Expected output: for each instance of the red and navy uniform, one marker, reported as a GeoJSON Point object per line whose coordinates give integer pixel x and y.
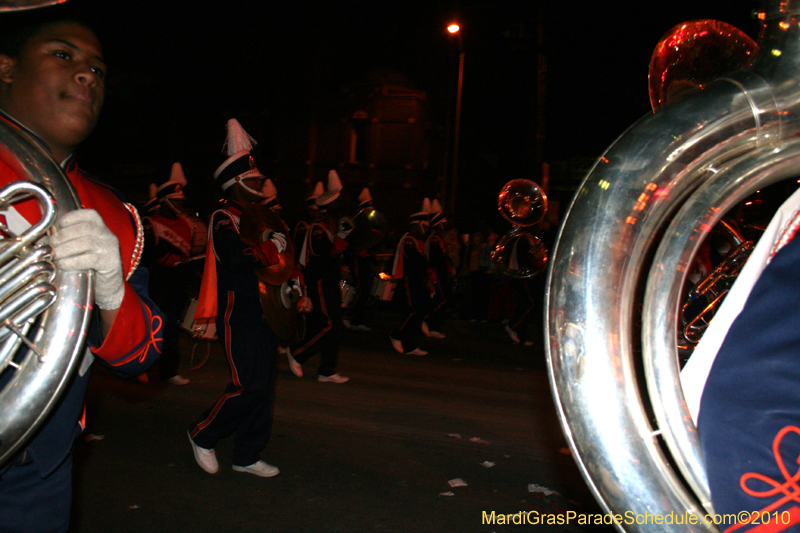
{"type": "Point", "coordinates": [35, 486]}
{"type": "Point", "coordinates": [362, 269]}
{"type": "Point", "coordinates": [413, 293]}
{"type": "Point", "coordinates": [320, 257]}
{"type": "Point", "coordinates": [749, 421]}
{"type": "Point", "coordinates": [250, 345]}
{"type": "Point", "coordinates": [167, 245]}
{"type": "Point", "coordinates": [436, 251]}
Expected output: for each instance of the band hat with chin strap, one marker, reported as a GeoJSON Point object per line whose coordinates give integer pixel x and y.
{"type": "Point", "coordinates": [332, 191]}
{"type": "Point", "coordinates": [365, 199]}
{"type": "Point", "coordinates": [270, 195]}
{"type": "Point", "coordinates": [240, 164]}
{"type": "Point", "coordinates": [311, 201]}
{"type": "Point", "coordinates": [422, 217]}
{"type": "Point", "coordinates": [172, 188]}
{"type": "Point", "coordinates": [152, 200]}
{"type": "Point", "coordinates": [437, 216]}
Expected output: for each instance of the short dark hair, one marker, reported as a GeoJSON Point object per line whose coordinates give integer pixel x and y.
{"type": "Point", "coordinates": [18, 28]}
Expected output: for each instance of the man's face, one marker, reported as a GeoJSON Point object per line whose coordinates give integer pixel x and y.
{"type": "Point", "coordinates": [56, 86]}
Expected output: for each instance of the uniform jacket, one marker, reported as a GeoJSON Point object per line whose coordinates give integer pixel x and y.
{"type": "Point", "coordinates": [132, 344]}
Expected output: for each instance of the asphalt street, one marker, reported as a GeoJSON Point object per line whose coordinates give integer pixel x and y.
{"type": "Point", "coordinates": [380, 453]}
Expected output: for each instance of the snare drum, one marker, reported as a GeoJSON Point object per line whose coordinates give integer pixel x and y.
{"type": "Point", "coordinates": [348, 293]}
{"type": "Point", "coordinates": [383, 289]}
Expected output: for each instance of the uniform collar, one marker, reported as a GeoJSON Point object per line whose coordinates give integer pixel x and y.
{"type": "Point", "coordinates": [65, 164]}
{"type": "Point", "coordinates": [233, 206]}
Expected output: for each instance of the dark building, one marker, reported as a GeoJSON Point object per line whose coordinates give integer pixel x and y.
{"type": "Point", "coordinates": [375, 133]}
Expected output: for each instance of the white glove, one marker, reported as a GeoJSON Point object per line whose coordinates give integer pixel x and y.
{"type": "Point", "coordinates": [345, 227]}
{"type": "Point", "coordinates": [279, 240]}
{"type": "Point", "coordinates": [294, 288]}
{"type": "Point", "coordinates": [83, 242]}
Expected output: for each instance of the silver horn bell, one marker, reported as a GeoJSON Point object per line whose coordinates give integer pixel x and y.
{"type": "Point", "coordinates": [519, 253]}
{"type": "Point", "coordinates": [633, 228]}
{"type": "Point", "coordinates": [44, 312]}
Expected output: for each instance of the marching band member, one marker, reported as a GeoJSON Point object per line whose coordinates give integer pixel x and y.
{"type": "Point", "coordinates": [741, 381]}
{"type": "Point", "coordinates": [168, 243]}
{"type": "Point", "coordinates": [230, 293]}
{"type": "Point", "coordinates": [437, 252]}
{"type": "Point", "coordinates": [361, 267]}
{"type": "Point", "coordinates": [52, 77]}
{"type": "Point", "coordinates": [320, 257]}
{"type": "Point", "coordinates": [312, 214]}
{"type": "Point", "coordinates": [411, 269]}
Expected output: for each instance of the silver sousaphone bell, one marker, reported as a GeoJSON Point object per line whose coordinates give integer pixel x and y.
{"type": "Point", "coordinates": [520, 254]}
{"type": "Point", "coordinates": [44, 312]}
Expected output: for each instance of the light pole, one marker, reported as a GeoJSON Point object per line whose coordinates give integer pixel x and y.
{"type": "Point", "coordinates": [456, 30]}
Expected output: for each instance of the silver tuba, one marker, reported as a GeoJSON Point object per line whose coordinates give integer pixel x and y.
{"type": "Point", "coordinates": [519, 253]}
{"type": "Point", "coordinates": [44, 313]}
{"type": "Point", "coordinates": [627, 240]}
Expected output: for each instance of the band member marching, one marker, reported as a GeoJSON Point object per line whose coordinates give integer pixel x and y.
{"type": "Point", "coordinates": [168, 241]}
{"type": "Point", "coordinates": [436, 250]}
{"type": "Point", "coordinates": [46, 59]}
{"type": "Point", "coordinates": [312, 214]}
{"type": "Point", "coordinates": [411, 269]}
{"type": "Point", "coordinates": [320, 257]}
{"type": "Point", "coordinates": [230, 292]}
{"type": "Point", "coordinates": [360, 263]}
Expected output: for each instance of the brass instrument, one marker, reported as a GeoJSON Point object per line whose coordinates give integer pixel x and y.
{"type": "Point", "coordinates": [519, 253]}
{"type": "Point", "coordinates": [710, 291]}
{"type": "Point", "coordinates": [369, 228]}
{"type": "Point", "coordinates": [277, 298]}
{"type": "Point", "coordinates": [44, 312]}
{"type": "Point", "coordinates": [627, 240]}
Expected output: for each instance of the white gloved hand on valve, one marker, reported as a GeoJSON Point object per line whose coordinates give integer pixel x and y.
{"type": "Point", "coordinates": [345, 227]}
{"type": "Point", "coordinates": [279, 240]}
{"type": "Point", "coordinates": [82, 242]}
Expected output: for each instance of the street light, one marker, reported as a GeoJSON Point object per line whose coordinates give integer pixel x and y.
{"type": "Point", "coordinates": [455, 29]}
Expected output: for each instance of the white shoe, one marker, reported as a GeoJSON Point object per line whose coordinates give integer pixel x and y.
{"type": "Point", "coordinates": [435, 335]}
{"type": "Point", "coordinates": [335, 378]}
{"type": "Point", "coordinates": [178, 380]}
{"type": "Point", "coordinates": [207, 459]}
{"type": "Point", "coordinates": [417, 351]}
{"type": "Point", "coordinates": [259, 468]}
{"type": "Point", "coordinates": [396, 344]}
{"type": "Point", "coordinates": [361, 327]}
{"type": "Point", "coordinates": [294, 366]}
{"type": "Point", "coordinates": [512, 334]}
{"type": "Point", "coordinates": [528, 343]}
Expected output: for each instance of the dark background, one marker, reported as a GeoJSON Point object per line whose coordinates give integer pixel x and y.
{"type": "Point", "coordinates": [179, 70]}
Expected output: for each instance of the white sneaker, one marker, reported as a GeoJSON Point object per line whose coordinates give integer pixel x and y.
{"type": "Point", "coordinates": [259, 468]}
{"type": "Point", "coordinates": [361, 327]}
{"type": "Point", "coordinates": [435, 334]}
{"type": "Point", "coordinates": [512, 334]}
{"type": "Point", "coordinates": [396, 344]}
{"type": "Point", "coordinates": [294, 366]}
{"type": "Point", "coordinates": [335, 378]}
{"type": "Point", "coordinates": [417, 351]}
{"type": "Point", "coordinates": [178, 380]}
{"type": "Point", "coordinates": [207, 459]}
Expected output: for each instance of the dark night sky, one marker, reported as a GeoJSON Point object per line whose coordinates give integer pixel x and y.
{"type": "Point", "coordinates": [179, 69]}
